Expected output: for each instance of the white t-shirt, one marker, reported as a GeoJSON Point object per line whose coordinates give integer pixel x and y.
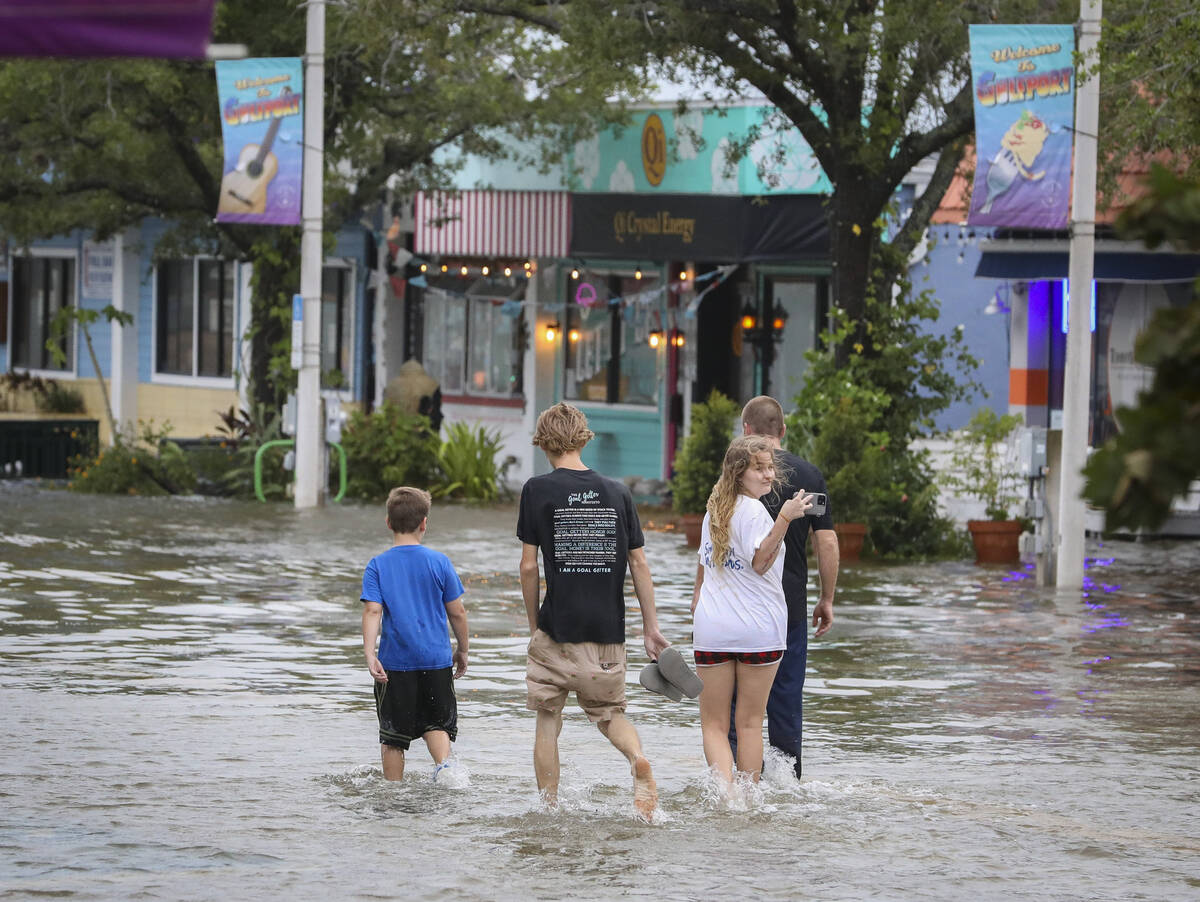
{"type": "Point", "coordinates": [739, 610]}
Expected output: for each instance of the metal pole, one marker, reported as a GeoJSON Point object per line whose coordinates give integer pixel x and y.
{"type": "Point", "coordinates": [310, 449]}
{"type": "Point", "coordinates": [1077, 375]}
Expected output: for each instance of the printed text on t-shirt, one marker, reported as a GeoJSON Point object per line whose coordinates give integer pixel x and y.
{"type": "Point", "coordinates": [585, 540]}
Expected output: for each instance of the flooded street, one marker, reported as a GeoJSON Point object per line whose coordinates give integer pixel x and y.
{"type": "Point", "coordinates": [187, 714]}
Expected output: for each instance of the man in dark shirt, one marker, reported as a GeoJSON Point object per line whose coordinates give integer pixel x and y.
{"type": "Point", "coordinates": [785, 707]}
{"type": "Point", "coordinates": [587, 530]}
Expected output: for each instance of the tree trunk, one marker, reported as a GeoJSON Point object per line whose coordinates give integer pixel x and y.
{"type": "Point", "coordinates": [852, 258]}
{"type": "Point", "coordinates": [276, 278]}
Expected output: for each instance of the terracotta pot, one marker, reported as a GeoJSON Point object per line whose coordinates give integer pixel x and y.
{"type": "Point", "coordinates": [996, 541]}
{"type": "Point", "coordinates": [850, 539]}
{"type": "Point", "coordinates": [691, 528]}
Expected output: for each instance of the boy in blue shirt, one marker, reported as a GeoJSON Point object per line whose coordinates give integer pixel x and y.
{"type": "Point", "coordinates": [409, 594]}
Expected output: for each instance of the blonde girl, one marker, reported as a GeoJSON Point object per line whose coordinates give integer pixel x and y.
{"type": "Point", "coordinates": [739, 612]}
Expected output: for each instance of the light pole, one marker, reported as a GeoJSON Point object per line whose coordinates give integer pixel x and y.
{"type": "Point", "coordinates": [310, 447]}
{"type": "Point", "coordinates": [1077, 374]}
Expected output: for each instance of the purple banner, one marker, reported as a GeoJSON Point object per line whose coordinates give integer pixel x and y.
{"type": "Point", "coordinates": [1023, 78]}
{"type": "Point", "coordinates": [89, 28]}
{"type": "Point", "coordinates": [262, 120]}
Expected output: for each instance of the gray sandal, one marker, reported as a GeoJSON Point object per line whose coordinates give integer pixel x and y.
{"type": "Point", "coordinates": [652, 679]}
{"type": "Point", "coordinates": [672, 666]}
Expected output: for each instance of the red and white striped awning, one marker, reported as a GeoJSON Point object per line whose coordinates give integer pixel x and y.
{"type": "Point", "coordinates": [493, 223]}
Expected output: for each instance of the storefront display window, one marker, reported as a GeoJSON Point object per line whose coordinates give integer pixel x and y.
{"type": "Point", "coordinates": [608, 357]}
{"type": "Point", "coordinates": [473, 343]}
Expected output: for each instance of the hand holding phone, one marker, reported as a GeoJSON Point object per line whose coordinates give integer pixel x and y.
{"type": "Point", "coordinates": [819, 501]}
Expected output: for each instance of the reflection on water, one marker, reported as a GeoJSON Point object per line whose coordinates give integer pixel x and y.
{"type": "Point", "coordinates": [187, 715]}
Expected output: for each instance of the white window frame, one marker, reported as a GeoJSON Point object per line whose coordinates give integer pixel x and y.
{"type": "Point", "coordinates": [73, 339]}
{"type": "Point", "coordinates": [346, 392]}
{"type": "Point", "coordinates": [194, 380]}
{"type": "Point", "coordinates": [494, 302]}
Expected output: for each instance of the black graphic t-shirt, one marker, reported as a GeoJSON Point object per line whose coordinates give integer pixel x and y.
{"type": "Point", "coordinates": [584, 524]}
{"type": "Point", "coordinates": [797, 473]}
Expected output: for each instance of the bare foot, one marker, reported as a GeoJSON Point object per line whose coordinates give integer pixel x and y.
{"type": "Point", "coordinates": [645, 792]}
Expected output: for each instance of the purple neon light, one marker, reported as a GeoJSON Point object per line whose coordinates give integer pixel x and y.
{"type": "Point", "coordinates": [98, 28]}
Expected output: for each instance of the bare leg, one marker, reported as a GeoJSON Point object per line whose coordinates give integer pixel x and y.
{"type": "Point", "coordinates": [621, 733]}
{"type": "Point", "coordinates": [753, 688]}
{"type": "Point", "coordinates": [393, 761]}
{"type": "Point", "coordinates": [438, 743]}
{"type": "Point", "coordinates": [545, 754]}
{"type": "Point", "coordinates": [718, 682]}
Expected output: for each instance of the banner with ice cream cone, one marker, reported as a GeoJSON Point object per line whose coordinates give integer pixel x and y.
{"type": "Point", "coordinates": [1023, 77]}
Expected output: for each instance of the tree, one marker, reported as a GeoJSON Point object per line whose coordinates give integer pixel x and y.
{"type": "Point", "coordinates": [103, 145]}
{"type": "Point", "coordinates": [1150, 95]}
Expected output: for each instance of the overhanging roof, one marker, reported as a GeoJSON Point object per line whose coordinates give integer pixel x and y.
{"type": "Point", "coordinates": [1114, 261]}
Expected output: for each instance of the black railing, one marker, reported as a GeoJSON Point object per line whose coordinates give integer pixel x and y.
{"type": "Point", "coordinates": [43, 448]}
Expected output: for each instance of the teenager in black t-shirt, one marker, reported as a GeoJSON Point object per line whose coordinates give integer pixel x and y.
{"type": "Point", "coordinates": [587, 530]}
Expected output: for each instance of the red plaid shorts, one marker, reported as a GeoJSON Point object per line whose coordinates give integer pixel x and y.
{"type": "Point", "coordinates": [709, 658]}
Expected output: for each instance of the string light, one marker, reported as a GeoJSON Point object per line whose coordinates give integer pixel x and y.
{"type": "Point", "coordinates": [445, 267]}
{"type": "Point", "coordinates": [507, 271]}
{"type": "Point", "coordinates": [424, 267]}
{"type": "Point", "coordinates": [528, 264]}
{"type": "Point", "coordinates": [485, 270]}
{"type": "Point", "coordinates": [463, 271]}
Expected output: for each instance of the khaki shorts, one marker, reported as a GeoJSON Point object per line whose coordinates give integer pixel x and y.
{"type": "Point", "coordinates": [594, 672]}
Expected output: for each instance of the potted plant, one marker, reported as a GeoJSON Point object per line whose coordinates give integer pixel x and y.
{"type": "Point", "coordinates": [698, 462]}
{"type": "Point", "coordinates": [982, 468]}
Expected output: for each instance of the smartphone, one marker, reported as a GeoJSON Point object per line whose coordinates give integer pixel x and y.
{"type": "Point", "coordinates": [818, 505]}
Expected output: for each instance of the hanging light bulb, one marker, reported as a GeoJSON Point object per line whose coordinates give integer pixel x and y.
{"type": "Point", "coordinates": [444, 267]}
{"type": "Point", "coordinates": [463, 272]}
{"type": "Point", "coordinates": [486, 269]}
{"type": "Point", "coordinates": [424, 267]}
{"type": "Point", "coordinates": [528, 265]}
{"type": "Point", "coordinates": [574, 273]}
{"type": "Point", "coordinates": [507, 271]}
{"type": "Point", "coordinates": [637, 273]}
{"type": "Point", "coordinates": [655, 337]}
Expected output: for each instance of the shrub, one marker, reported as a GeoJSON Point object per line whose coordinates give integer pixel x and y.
{"type": "Point", "coordinates": [388, 448]}
{"type": "Point", "coordinates": [142, 463]}
{"type": "Point", "coordinates": [698, 463]}
{"type": "Point", "coordinates": [244, 432]}
{"type": "Point", "coordinates": [983, 468]}
{"type": "Point", "coordinates": [467, 459]}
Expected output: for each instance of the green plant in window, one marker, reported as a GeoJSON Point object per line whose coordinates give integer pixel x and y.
{"type": "Point", "coordinates": [698, 463]}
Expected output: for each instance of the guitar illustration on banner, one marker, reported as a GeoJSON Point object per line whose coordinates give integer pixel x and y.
{"type": "Point", "coordinates": [244, 188]}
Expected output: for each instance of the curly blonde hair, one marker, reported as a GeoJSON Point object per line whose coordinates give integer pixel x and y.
{"type": "Point", "coordinates": [723, 498]}
{"type": "Point", "coordinates": [562, 428]}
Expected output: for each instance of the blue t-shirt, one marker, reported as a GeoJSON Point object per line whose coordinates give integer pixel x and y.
{"type": "Point", "coordinates": [414, 584]}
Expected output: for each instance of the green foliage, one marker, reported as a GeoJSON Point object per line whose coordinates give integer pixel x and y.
{"type": "Point", "coordinates": [698, 462]}
{"type": "Point", "coordinates": [138, 463]}
{"type": "Point", "coordinates": [981, 468]}
{"type": "Point", "coordinates": [467, 459]}
{"type": "Point", "coordinates": [388, 448]}
{"type": "Point", "coordinates": [243, 432]}
{"type": "Point", "coordinates": [1138, 473]}
{"type": "Point", "coordinates": [49, 395]}
{"type": "Point", "coordinates": [856, 420]}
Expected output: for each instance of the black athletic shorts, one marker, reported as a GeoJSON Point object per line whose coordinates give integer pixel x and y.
{"type": "Point", "coordinates": [413, 702]}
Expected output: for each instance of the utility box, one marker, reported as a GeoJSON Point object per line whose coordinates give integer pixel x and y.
{"type": "Point", "coordinates": [1031, 452]}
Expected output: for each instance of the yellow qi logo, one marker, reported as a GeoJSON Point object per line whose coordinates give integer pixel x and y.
{"type": "Point", "coordinates": [654, 149]}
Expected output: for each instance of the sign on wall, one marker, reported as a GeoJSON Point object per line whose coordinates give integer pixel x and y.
{"type": "Point", "coordinates": [1023, 78]}
{"type": "Point", "coordinates": [98, 261]}
{"type": "Point", "coordinates": [262, 121]}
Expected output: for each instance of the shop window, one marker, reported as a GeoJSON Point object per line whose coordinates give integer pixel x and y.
{"type": "Point", "coordinates": [337, 310]}
{"type": "Point", "coordinates": [608, 357]}
{"type": "Point", "coordinates": [194, 307]}
{"type": "Point", "coordinates": [41, 287]}
{"type": "Point", "coordinates": [473, 343]}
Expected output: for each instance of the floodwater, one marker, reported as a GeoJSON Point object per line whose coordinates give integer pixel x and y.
{"type": "Point", "coordinates": [187, 715]}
